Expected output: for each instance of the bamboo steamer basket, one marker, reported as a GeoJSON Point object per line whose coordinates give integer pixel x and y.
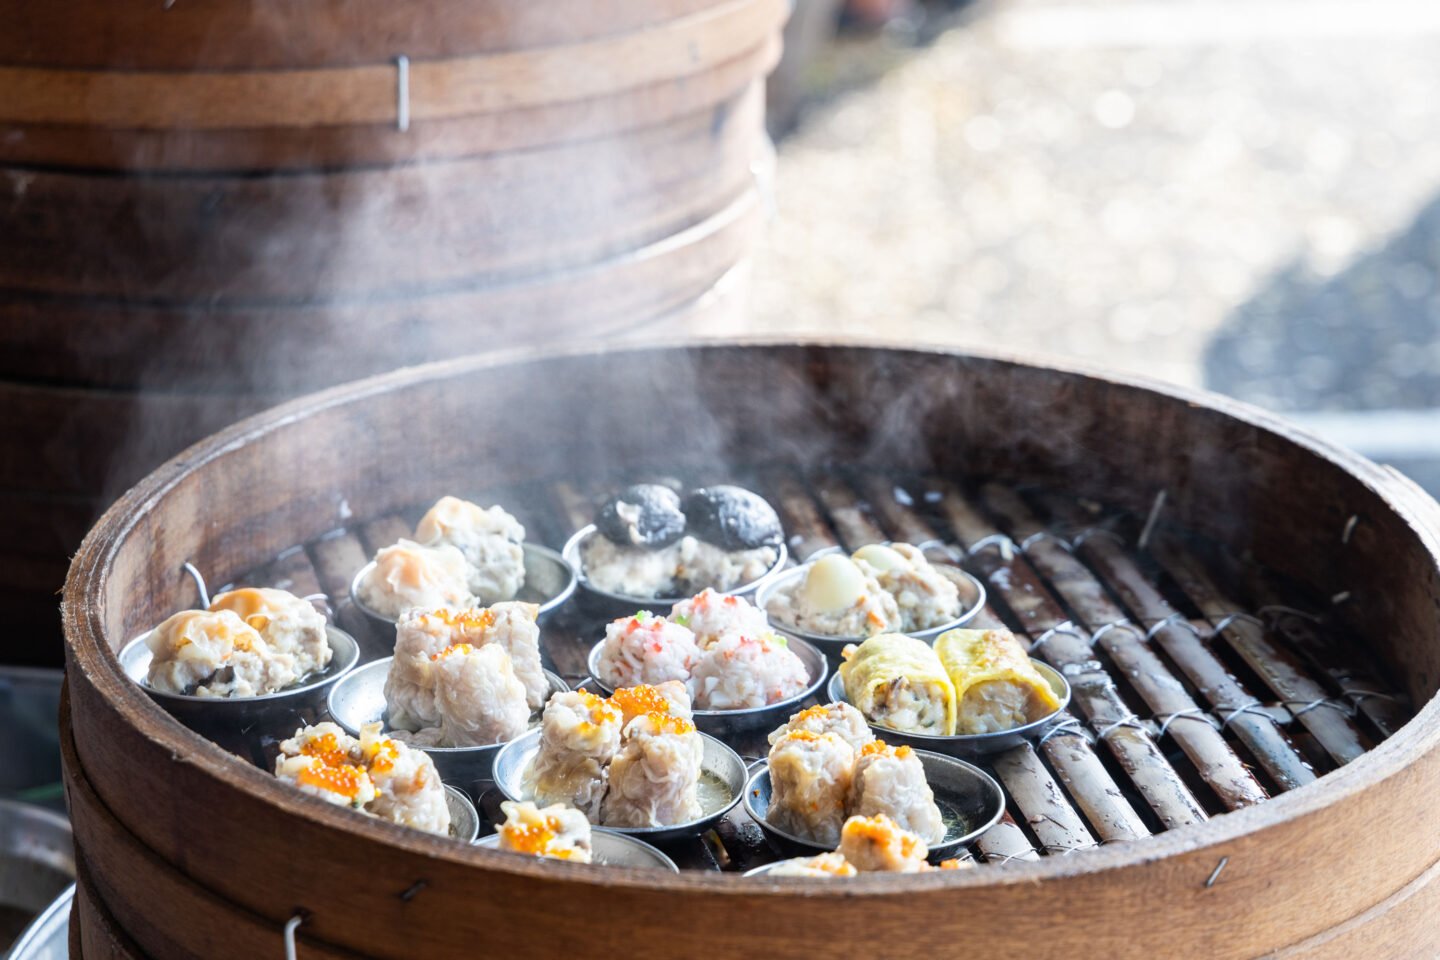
{"type": "Point", "coordinates": [386, 233]}
{"type": "Point", "coordinates": [493, 79]}
{"type": "Point", "coordinates": [1340, 867]}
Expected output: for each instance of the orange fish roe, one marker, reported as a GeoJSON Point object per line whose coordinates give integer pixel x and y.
{"type": "Point", "coordinates": [536, 839]}
{"type": "Point", "coordinates": [952, 865]}
{"type": "Point", "coordinates": [642, 699]}
{"type": "Point", "coordinates": [463, 649]}
{"type": "Point", "coordinates": [326, 749]}
{"type": "Point", "coordinates": [805, 736]}
{"type": "Point", "coordinates": [342, 779]}
{"type": "Point", "coordinates": [879, 829]}
{"type": "Point", "coordinates": [664, 723]}
{"type": "Point", "coordinates": [817, 712]}
{"type": "Point", "coordinates": [382, 754]}
{"type": "Point", "coordinates": [601, 710]}
{"type": "Point", "coordinates": [473, 618]}
{"type": "Point", "coordinates": [880, 746]}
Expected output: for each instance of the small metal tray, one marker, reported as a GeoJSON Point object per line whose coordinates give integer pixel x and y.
{"type": "Point", "coordinates": [360, 699]}
{"type": "Point", "coordinates": [549, 582]}
{"type": "Point", "coordinates": [973, 744]}
{"type": "Point", "coordinates": [724, 723]}
{"type": "Point", "coordinates": [720, 762]}
{"type": "Point", "coordinates": [970, 802]}
{"type": "Point", "coordinates": [603, 603]}
{"type": "Point", "coordinates": [236, 712]}
{"type": "Point", "coordinates": [610, 849]}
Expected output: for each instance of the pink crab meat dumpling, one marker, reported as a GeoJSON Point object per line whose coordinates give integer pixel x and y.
{"type": "Point", "coordinates": [646, 649]}
{"type": "Point", "coordinates": [740, 671]}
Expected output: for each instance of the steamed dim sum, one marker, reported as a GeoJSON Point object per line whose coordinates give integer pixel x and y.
{"type": "Point", "coordinates": [898, 682]}
{"type": "Point", "coordinates": [996, 685]}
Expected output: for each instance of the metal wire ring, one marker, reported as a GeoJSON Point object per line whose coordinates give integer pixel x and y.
{"type": "Point", "coordinates": [1346, 708]}
{"type": "Point", "coordinates": [1067, 628]}
{"type": "Point", "coordinates": [1112, 625]}
{"type": "Point", "coordinates": [1191, 713]}
{"type": "Point", "coordinates": [1079, 539]}
{"type": "Point", "coordinates": [1039, 535]}
{"type": "Point", "coordinates": [1230, 618]}
{"type": "Point", "coordinates": [1176, 619]}
{"type": "Point", "coordinates": [1130, 721]}
{"type": "Point", "coordinates": [1069, 727]}
{"type": "Point", "coordinates": [1008, 548]}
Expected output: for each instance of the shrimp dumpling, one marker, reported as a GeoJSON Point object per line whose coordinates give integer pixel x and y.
{"type": "Point", "coordinates": [740, 671]}
{"type": "Point", "coordinates": [409, 574]}
{"type": "Point", "coordinates": [288, 624]}
{"type": "Point", "coordinates": [489, 540]}
{"type": "Point", "coordinates": [215, 654]}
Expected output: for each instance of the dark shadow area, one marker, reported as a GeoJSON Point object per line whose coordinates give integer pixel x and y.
{"type": "Point", "coordinates": [1366, 338]}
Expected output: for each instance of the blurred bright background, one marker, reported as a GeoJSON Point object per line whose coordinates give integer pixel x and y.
{"type": "Point", "coordinates": [1236, 196]}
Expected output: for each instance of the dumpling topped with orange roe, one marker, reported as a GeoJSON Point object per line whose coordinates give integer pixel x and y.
{"type": "Point", "coordinates": [374, 774]}
{"type": "Point", "coordinates": [556, 831]}
{"type": "Point", "coordinates": [839, 718]}
{"type": "Point", "coordinates": [325, 761]}
{"type": "Point", "coordinates": [879, 844]}
{"type": "Point", "coordinates": [826, 865]}
{"type": "Point", "coordinates": [655, 778]}
{"type": "Point", "coordinates": [579, 734]}
{"type": "Point", "coordinates": [669, 697]}
{"type": "Point", "coordinates": [891, 781]}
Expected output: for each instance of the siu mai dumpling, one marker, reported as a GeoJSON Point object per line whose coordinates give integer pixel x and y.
{"type": "Point", "coordinates": [879, 845]}
{"type": "Point", "coordinates": [891, 780]}
{"type": "Point", "coordinates": [825, 865]}
{"type": "Point", "coordinates": [408, 790]}
{"type": "Point", "coordinates": [558, 832]}
{"type": "Point", "coordinates": [898, 682]}
{"type": "Point", "coordinates": [489, 540]}
{"type": "Point", "coordinates": [810, 778]}
{"type": "Point", "coordinates": [655, 778]}
{"type": "Point", "coordinates": [408, 575]}
{"type": "Point", "coordinates": [841, 719]}
{"type": "Point", "coordinates": [579, 734]}
{"type": "Point", "coordinates": [996, 685]}
{"type": "Point", "coordinates": [480, 699]}
{"type": "Point", "coordinates": [288, 624]}
{"type": "Point", "coordinates": [326, 762]}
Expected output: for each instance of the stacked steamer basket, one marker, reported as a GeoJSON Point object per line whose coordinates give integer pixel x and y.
{"type": "Point", "coordinates": [211, 207]}
{"type": "Point", "coordinates": [1249, 626]}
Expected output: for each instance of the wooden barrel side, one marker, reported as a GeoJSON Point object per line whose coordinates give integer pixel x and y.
{"type": "Point", "coordinates": [1161, 898]}
{"type": "Point", "coordinates": [389, 232]}
{"type": "Point", "coordinates": [128, 344]}
{"type": "Point", "coordinates": [435, 89]}
{"type": "Point", "coordinates": [287, 148]}
{"type": "Point", "coordinates": [244, 35]}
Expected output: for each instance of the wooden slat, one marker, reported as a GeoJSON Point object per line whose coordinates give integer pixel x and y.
{"type": "Point", "coordinates": [1281, 670]}
{"type": "Point", "coordinates": [1049, 815]}
{"type": "Point", "coordinates": [1005, 842]}
{"type": "Point", "coordinates": [1093, 693]}
{"type": "Point", "coordinates": [803, 521]}
{"type": "Point", "coordinates": [1214, 759]}
{"type": "Point", "coordinates": [1224, 693]}
{"type": "Point", "coordinates": [849, 515]}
